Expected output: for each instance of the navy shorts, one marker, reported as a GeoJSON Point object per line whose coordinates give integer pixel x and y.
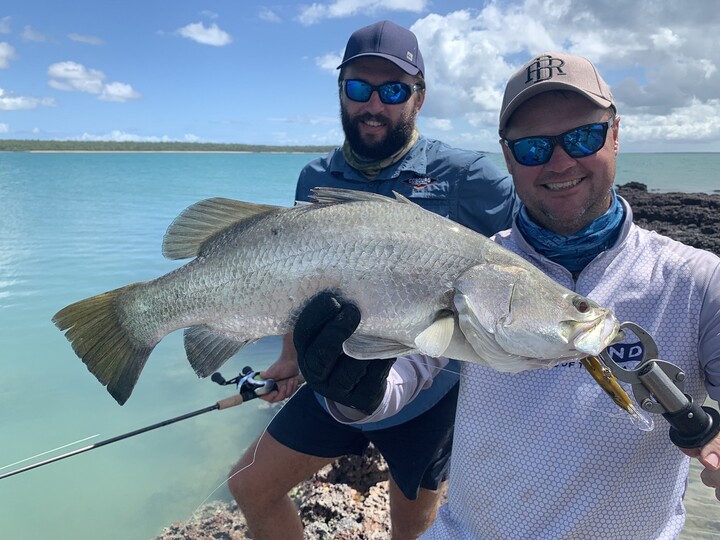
{"type": "Point", "coordinates": [417, 452]}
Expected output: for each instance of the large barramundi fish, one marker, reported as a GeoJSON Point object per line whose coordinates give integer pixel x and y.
{"type": "Point", "coordinates": [422, 284]}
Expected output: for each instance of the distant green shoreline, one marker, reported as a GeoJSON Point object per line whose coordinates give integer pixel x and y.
{"type": "Point", "coordinates": [18, 145]}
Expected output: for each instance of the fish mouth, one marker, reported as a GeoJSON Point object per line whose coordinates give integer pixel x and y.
{"type": "Point", "coordinates": [560, 186]}
{"type": "Point", "coordinates": [594, 337]}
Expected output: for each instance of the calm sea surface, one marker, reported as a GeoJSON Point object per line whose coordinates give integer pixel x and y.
{"type": "Point", "coordinates": [73, 225]}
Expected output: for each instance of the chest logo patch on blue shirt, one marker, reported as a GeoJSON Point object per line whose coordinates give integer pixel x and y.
{"type": "Point", "coordinates": [420, 182]}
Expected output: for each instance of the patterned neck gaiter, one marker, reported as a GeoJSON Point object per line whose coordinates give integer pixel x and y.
{"type": "Point", "coordinates": [574, 252]}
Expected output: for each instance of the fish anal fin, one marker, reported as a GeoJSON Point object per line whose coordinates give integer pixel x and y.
{"type": "Point", "coordinates": [201, 221]}
{"type": "Point", "coordinates": [207, 350]}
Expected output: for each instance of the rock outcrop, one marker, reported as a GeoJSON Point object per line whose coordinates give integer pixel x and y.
{"type": "Point", "coordinates": [347, 500]}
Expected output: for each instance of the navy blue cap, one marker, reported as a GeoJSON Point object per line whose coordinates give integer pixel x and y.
{"type": "Point", "coordinates": [386, 40]}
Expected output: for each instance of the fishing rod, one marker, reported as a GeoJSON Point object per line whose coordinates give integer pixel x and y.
{"type": "Point", "coordinates": [249, 384]}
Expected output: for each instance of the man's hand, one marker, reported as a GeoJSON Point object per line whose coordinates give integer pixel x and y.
{"type": "Point", "coordinates": [322, 327]}
{"type": "Point", "coordinates": [285, 372]}
{"type": "Point", "coordinates": [709, 456]}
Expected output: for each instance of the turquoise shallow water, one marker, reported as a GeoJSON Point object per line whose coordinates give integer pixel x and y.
{"type": "Point", "coordinates": [74, 225]}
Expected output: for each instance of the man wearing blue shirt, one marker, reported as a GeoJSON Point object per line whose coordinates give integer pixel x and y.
{"type": "Point", "coordinates": [382, 89]}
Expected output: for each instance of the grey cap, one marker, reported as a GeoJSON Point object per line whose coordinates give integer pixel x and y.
{"type": "Point", "coordinates": [386, 40]}
{"type": "Point", "coordinates": [554, 71]}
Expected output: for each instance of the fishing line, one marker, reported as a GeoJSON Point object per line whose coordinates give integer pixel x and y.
{"type": "Point", "coordinates": [49, 451]}
{"type": "Point", "coordinates": [257, 444]}
{"type": "Point", "coordinates": [262, 434]}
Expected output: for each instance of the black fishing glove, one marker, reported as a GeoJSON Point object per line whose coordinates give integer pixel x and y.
{"type": "Point", "coordinates": [322, 327]}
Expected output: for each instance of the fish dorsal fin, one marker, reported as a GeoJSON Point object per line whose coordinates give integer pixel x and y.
{"type": "Point", "coordinates": [402, 198]}
{"type": "Point", "coordinates": [330, 195]}
{"type": "Point", "coordinates": [372, 347]}
{"type": "Point", "coordinates": [199, 222]}
{"type": "Point", "coordinates": [435, 339]}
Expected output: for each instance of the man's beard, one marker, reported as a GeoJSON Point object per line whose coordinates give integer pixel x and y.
{"type": "Point", "coordinates": [397, 135]}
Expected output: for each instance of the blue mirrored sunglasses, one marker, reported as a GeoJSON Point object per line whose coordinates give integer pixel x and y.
{"type": "Point", "coordinates": [390, 93]}
{"type": "Point", "coordinates": [578, 142]}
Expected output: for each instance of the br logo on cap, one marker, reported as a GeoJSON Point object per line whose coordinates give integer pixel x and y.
{"type": "Point", "coordinates": [409, 56]}
{"type": "Point", "coordinates": [543, 68]}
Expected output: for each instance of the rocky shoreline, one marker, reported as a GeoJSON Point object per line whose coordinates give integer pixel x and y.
{"type": "Point", "coordinates": [691, 218]}
{"type": "Point", "coordinates": [349, 499]}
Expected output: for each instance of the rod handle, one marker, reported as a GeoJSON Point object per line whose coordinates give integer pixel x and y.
{"type": "Point", "coordinates": [232, 401]}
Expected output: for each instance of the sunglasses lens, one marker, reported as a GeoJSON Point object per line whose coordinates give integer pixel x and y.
{"type": "Point", "coordinates": [579, 142]}
{"type": "Point", "coordinates": [585, 140]}
{"type": "Point", "coordinates": [358, 90]}
{"type": "Point", "coordinates": [394, 93]}
{"type": "Point", "coordinates": [532, 150]}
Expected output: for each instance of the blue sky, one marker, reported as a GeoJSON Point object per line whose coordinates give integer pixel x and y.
{"type": "Point", "coordinates": [246, 71]}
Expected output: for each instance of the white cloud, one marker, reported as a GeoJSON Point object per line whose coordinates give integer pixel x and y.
{"type": "Point", "coordinates": [329, 62]}
{"type": "Point", "coordinates": [117, 135]}
{"type": "Point", "coordinates": [9, 102]}
{"type": "Point", "coordinates": [314, 13]}
{"type": "Point", "coordinates": [307, 120]}
{"type": "Point", "coordinates": [4, 128]}
{"type": "Point", "coordinates": [122, 136]}
{"type": "Point", "coordinates": [118, 92]}
{"type": "Point", "coordinates": [71, 76]}
{"type": "Point", "coordinates": [90, 40]}
{"type": "Point", "coordinates": [7, 53]}
{"type": "Point", "coordinates": [439, 124]}
{"type": "Point", "coordinates": [697, 122]}
{"type": "Point", "coordinates": [28, 34]}
{"type": "Point", "coordinates": [268, 15]}
{"type": "Point", "coordinates": [211, 35]}
{"type": "Point", "coordinates": [661, 62]}
{"type": "Point", "coordinates": [5, 25]}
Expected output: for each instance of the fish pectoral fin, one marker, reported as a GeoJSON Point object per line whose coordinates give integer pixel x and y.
{"type": "Point", "coordinates": [203, 220]}
{"type": "Point", "coordinates": [373, 347]}
{"type": "Point", "coordinates": [435, 339]}
{"type": "Point", "coordinates": [207, 350]}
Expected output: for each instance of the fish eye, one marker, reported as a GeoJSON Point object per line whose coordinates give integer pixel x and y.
{"type": "Point", "coordinates": [581, 304]}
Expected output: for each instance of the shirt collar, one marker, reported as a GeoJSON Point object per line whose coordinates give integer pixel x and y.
{"type": "Point", "coordinates": [415, 161]}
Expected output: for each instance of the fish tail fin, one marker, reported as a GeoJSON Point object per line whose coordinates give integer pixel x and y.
{"type": "Point", "coordinates": [107, 347]}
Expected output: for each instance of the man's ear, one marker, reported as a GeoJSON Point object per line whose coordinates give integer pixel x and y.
{"type": "Point", "coordinates": [509, 161]}
{"type": "Point", "coordinates": [616, 136]}
{"type": "Point", "coordinates": [420, 100]}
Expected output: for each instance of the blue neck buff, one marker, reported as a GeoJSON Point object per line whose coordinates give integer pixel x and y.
{"type": "Point", "coordinates": [574, 252]}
